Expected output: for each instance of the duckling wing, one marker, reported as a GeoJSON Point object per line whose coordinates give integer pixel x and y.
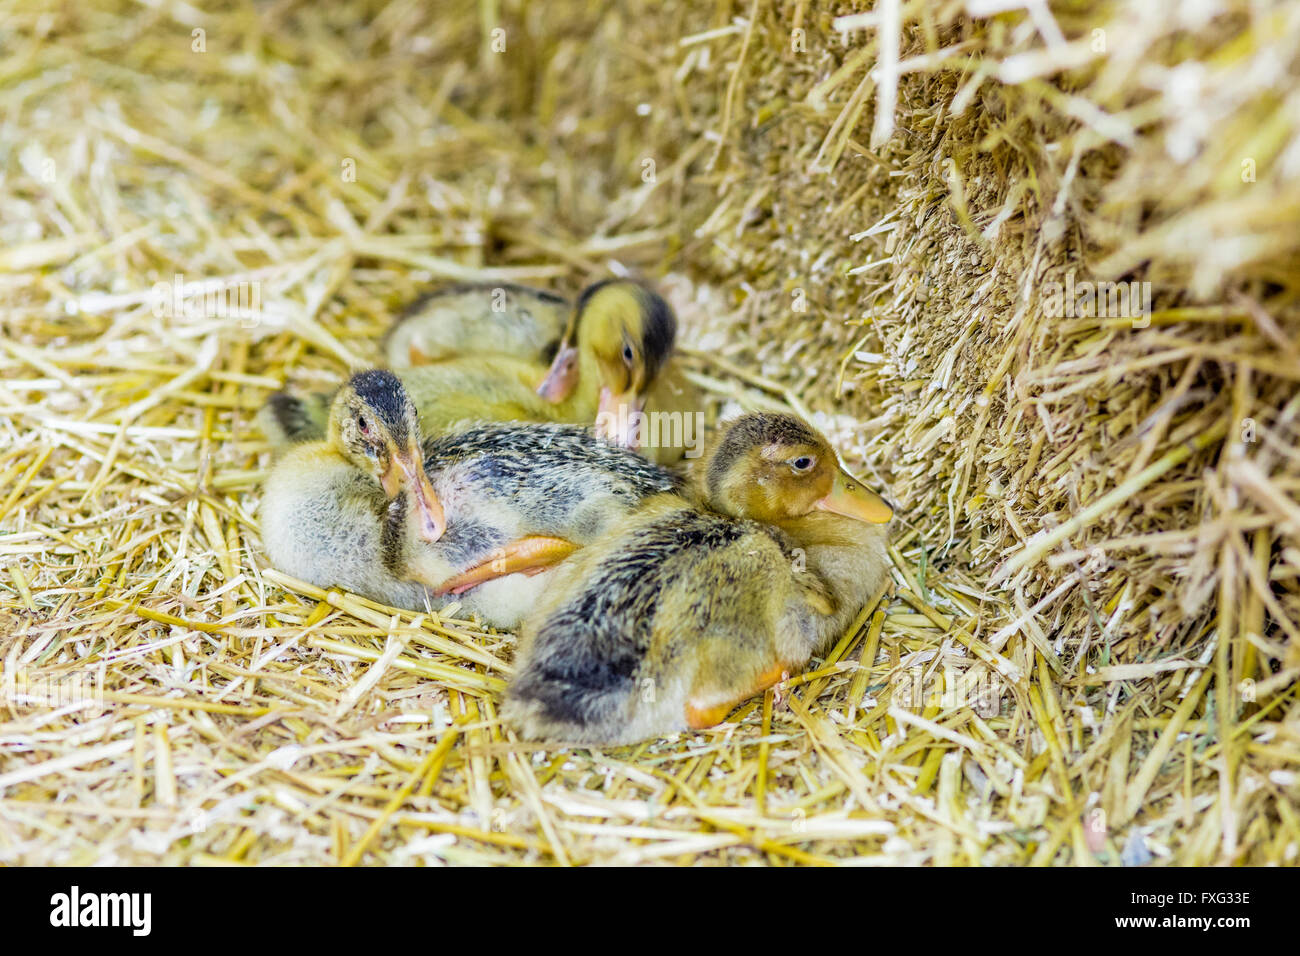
{"type": "Point", "coordinates": [506, 489]}
{"type": "Point", "coordinates": [675, 424]}
{"type": "Point", "coordinates": [579, 668]}
{"type": "Point", "coordinates": [751, 624]}
{"type": "Point", "coordinates": [532, 479]}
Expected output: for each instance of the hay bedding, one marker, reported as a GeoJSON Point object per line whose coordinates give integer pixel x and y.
{"type": "Point", "coordinates": [1092, 652]}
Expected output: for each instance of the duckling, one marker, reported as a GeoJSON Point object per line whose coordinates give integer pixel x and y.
{"type": "Point", "coordinates": [324, 499]}
{"type": "Point", "coordinates": [623, 332]}
{"type": "Point", "coordinates": [499, 318]}
{"type": "Point", "coordinates": [679, 614]}
{"type": "Point", "coordinates": [617, 341]}
{"type": "Point", "coordinates": [514, 499]}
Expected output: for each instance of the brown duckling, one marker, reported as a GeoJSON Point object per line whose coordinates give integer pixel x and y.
{"type": "Point", "coordinates": [480, 318]}
{"type": "Point", "coordinates": [678, 614]}
{"type": "Point", "coordinates": [324, 500]}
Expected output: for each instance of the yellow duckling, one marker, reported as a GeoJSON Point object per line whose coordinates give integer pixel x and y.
{"type": "Point", "coordinates": [678, 614]}
{"type": "Point", "coordinates": [618, 340]}
{"type": "Point", "coordinates": [324, 500]}
{"type": "Point", "coordinates": [515, 499]}
{"type": "Point", "coordinates": [624, 334]}
{"type": "Point", "coordinates": [500, 318]}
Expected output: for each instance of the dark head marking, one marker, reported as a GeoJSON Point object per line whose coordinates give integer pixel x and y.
{"type": "Point", "coordinates": [658, 333]}
{"type": "Point", "coordinates": [755, 430]}
{"type": "Point", "coordinates": [383, 393]}
{"type": "Point", "coordinates": [659, 323]}
{"type": "Point", "coordinates": [584, 297]}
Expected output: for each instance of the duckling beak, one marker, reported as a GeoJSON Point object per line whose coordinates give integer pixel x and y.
{"type": "Point", "coordinates": [562, 377]}
{"type": "Point", "coordinates": [618, 418]}
{"type": "Point", "coordinates": [432, 520]}
{"type": "Point", "coordinates": [409, 470]}
{"type": "Point", "coordinates": [854, 500]}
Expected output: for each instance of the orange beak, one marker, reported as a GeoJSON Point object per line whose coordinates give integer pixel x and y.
{"type": "Point", "coordinates": [618, 418]}
{"type": "Point", "coordinates": [408, 470]}
{"type": "Point", "coordinates": [562, 377]}
{"type": "Point", "coordinates": [854, 500]}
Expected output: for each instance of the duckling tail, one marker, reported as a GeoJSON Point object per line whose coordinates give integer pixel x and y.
{"type": "Point", "coordinates": [548, 707]}
{"type": "Point", "coordinates": [288, 420]}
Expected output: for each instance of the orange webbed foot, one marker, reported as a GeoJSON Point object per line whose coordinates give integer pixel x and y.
{"type": "Point", "coordinates": [700, 715]}
{"type": "Point", "coordinates": [531, 555]}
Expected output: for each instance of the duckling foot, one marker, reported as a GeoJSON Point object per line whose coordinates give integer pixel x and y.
{"type": "Point", "coordinates": [700, 715]}
{"type": "Point", "coordinates": [530, 555]}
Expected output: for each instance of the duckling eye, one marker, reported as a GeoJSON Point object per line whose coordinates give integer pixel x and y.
{"type": "Point", "coordinates": [802, 463]}
{"type": "Point", "coordinates": [627, 354]}
{"type": "Point", "coordinates": [363, 424]}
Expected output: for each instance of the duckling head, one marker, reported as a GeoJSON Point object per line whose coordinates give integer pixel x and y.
{"type": "Point", "coordinates": [623, 332]}
{"type": "Point", "coordinates": [778, 468]}
{"type": "Point", "coordinates": [374, 425]}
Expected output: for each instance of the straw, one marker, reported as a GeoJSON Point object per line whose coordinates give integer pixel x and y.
{"type": "Point", "coordinates": [1091, 654]}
